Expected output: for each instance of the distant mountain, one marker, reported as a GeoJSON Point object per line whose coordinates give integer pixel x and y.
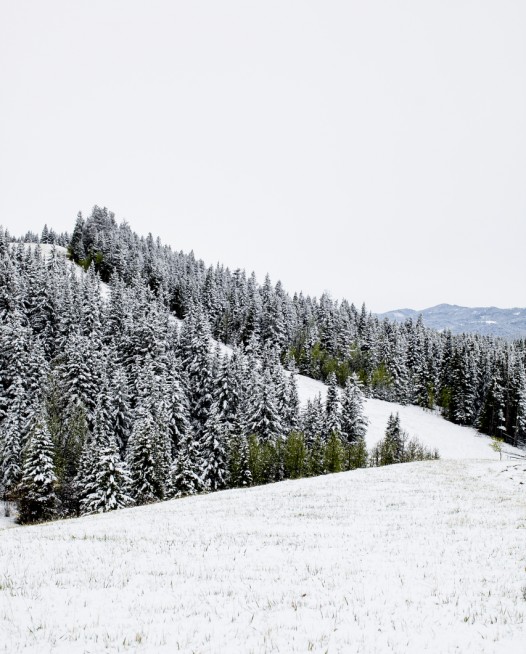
{"type": "Point", "coordinates": [489, 321]}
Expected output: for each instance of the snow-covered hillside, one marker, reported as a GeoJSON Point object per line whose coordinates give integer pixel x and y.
{"type": "Point", "coordinates": [452, 441]}
{"type": "Point", "coordinates": [422, 557]}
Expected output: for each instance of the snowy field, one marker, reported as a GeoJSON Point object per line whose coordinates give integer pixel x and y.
{"type": "Point", "coordinates": [421, 557]}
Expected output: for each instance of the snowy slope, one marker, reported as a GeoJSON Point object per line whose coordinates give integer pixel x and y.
{"type": "Point", "coordinates": [422, 557]}
{"type": "Point", "coordinates": [452, 441]}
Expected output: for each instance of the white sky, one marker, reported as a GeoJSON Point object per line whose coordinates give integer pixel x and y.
{"type": "Point", "coordinates": [375, 149]}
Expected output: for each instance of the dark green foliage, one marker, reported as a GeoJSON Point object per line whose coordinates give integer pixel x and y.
{"type": "Point", "coordinates": [239, 472]}
{"type": "Point", "coordinates": [295, 456]}
{"type": "Point", "coordinates": [333, 456]}
{"type": "Point", "coordinates": [355, 455]}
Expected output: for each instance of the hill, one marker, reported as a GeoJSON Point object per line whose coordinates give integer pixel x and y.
{"type": "Point", "coordinates": [416, 557]}
{"type": "Point", "coordinates": [452, 441]}
{"type": "Point", "coordinates": [487, 321]}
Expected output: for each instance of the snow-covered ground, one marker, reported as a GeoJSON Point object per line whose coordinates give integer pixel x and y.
{"type": "Point", "coordinates": [421, 557]}
{"type": "Point", "coordinates": [452, 441]}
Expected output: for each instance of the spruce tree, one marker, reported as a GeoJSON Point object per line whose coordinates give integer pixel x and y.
{"type": "Point", "coordinates": [146, 484]}
{"type": "Point", "coordinates": [184, 473]}
{"type": "Point", "coordinates": [36, 492]}
{"type": "Point", "coordinates": [214, 452]}
{"type": "Point", "coordinates": [332, 408]}
{"type": "Point", "coordinates": [109, 491]}
{"type": "Point", "coordinates": [353, 420]}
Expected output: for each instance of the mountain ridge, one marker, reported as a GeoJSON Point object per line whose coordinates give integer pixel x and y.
{"type": "Point", "coordinates": [487, 321]}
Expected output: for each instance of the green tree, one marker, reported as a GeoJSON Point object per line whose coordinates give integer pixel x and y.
{"type": "Point", "coordinates": [295, 456]}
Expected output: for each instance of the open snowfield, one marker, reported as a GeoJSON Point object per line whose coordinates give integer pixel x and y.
{"type": "Point", "coordinates": [421, 557]}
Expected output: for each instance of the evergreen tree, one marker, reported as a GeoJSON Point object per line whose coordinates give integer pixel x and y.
{"type": "Point", "coordinates": [214, 452]}
{"type": "Point", "coordinates": [333, 454]}
{"type": "Point", "coordinates": [146, 484]}
{"type": "Point", "coordinates": [239, 474]}
{"type": "Point", "coordinates": [184, 477]}
{"type": "Point", "coordinates": [353, 420]}
{"type": "Point", "coordinates": [332, 408]}
{"type": "Point", "coordinates": [316, 458]}
{"type": "Point", "coordinates": [110, 482]}
{"type": "Point", "coordinates": [36, 492]}
{"type": "Point", "coordinates": [295, 456]}
{"type": "Point", "coordinates": [263, 419]}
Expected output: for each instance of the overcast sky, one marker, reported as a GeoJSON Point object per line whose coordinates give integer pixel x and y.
{"type": "Point", "coordinates": [374, 149]}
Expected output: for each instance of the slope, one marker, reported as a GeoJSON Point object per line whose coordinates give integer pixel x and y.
{"type": "Point", "coordinates": [409, 558]}
{"type": "Point", "coordinates": [452, 441]}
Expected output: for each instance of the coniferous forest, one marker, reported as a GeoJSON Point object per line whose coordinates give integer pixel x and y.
{"type": "Point", "coordinates": [114, 389]}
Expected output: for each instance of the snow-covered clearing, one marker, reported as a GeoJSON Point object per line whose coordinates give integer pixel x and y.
{"type": "Point", "coordinates": [452, 441]}
{"type": "Point", "coordinates": [411, 558]}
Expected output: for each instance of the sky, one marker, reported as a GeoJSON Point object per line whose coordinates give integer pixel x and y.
{"type": "Point", "coordinates": [373, 150]}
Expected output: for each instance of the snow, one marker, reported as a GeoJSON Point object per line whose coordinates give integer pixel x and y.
{"type": "Point", "coordinates": [411, 558]}
{"type": "Point", "coordinates": [6, 522]}
{"type": "Point", "coordinates": [47, 250]}
{"type": "Point", "coordinates": [452, 441]}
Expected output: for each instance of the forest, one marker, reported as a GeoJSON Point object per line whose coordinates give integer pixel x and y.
{"type": "Point", "coordinates": [115, 390]}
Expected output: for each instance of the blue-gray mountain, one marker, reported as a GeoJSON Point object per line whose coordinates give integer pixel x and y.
{"type": "Point", "coordinates": [489, 321]}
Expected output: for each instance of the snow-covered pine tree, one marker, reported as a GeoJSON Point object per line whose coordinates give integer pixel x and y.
{"type": "Point", "coordinates": [214, 452]}
{"type": "Point", "coordinates": [393, 443]}
{"type": "Point", "coordinates": [36, 491]}
{"type": "Point", "coordinates": [110, 481]}
{"type": "Point", "coordinates": [121, 414]}
{"type": "Point", "coordinates": [353, 420]}
{"type": "Point", "coordinates": [239, 473]}
{"type": "Point", "coordinates": [143, 460]}
{"type": "Point", "coordinates": [332, 408]}
{"type": "Point", "coordinates": [263, 419]}
{"type": "Point", "coordinates": [184, 473]}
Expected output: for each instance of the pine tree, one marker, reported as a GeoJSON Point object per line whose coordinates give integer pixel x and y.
{"type": "Point", "coordinates": [333, 454]}
{"type": "Point", "coordinates": [121, 414]}
{"type": "Point", "coordinates": [353, 420]}
{"type": "Point", "coordinates": [392, 450]}
{"type": "Point", "coordinates": [263, 418]}
{"type": "Point", "coordinates": [316, 458]}
{"type": "Point", "coordinates": [332, 408]}
{"type": "Point", "coordinates": [110, 482]}
{"type": "Point", "coordinates": [36, 492]}
{"type": "Point", "coordinates": [295, 456]}
{"type": "Point", "coordinates": [239, 474]}
{"type": "Point", "coordinates": [184, 476]}
{"type": "Point", "coordinates": [12, 440]}
{"type": "Point", "coordinates": [214, 452]}
{"type": "Point", "coordinates": [143, 461]}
